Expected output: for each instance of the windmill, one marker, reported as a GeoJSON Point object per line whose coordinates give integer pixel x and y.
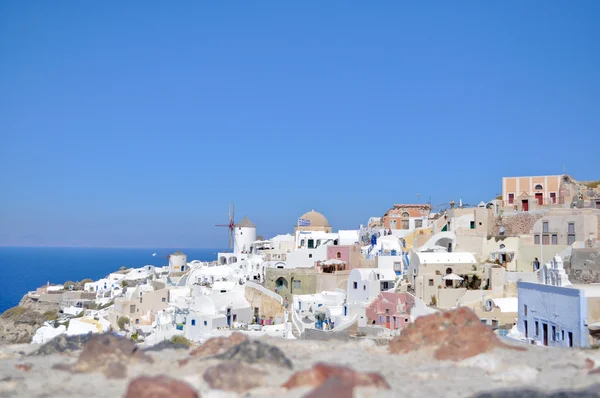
{"type": "Point", "coordinates": [231, 224]}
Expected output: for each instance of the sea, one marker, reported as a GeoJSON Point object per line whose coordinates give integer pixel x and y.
{"type": "Point", "coordinates": [26, 268]}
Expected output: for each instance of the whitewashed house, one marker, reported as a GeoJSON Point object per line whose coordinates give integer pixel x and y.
{"type": "Point", "coordinates": [217, 310]}
{"type": "Point", "coordinates": [364, 286]}
{"type": "Point", "coordinates": [556, 312]}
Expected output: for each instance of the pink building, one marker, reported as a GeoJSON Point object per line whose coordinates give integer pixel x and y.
{"type": "Point", "coordinates": [339, 253]}
{"type": "Point", "coordinates": [390, 310]}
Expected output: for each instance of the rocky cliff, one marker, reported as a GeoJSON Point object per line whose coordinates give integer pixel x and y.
{"type": "Point", "coordinates": [18, 324]}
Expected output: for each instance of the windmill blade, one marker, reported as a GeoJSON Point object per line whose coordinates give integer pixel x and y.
{"type": "Point", "coordinates": [230, 238]}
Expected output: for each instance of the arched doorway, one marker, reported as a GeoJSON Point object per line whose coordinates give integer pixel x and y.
{"type": "Point", "coordinates": [281, 283]}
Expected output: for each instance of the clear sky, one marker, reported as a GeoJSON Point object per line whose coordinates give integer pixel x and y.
{"type": "Point", "coordinates": [136, 123]}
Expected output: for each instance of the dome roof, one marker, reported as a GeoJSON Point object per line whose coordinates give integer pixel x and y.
{"type": "Point", "coordinates": [245, 223]}
{"type": "Point", "coordinates": [316, 219]}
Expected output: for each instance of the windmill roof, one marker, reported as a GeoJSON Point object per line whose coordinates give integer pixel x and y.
{"type": "Point", "coordinates": [245, 223]}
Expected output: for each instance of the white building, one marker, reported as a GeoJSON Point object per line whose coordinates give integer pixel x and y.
{"type": "Point", "coordinates": [177, 262]}
{"type": "Point", "coordinates": [218, 310]}
{"type": "Point", "coordinates": [365, 284]}
{"type": "Point", "coordinates": [553, 273]}
{"type": "Point", "coordinates": [556, 312]}
{"type": "Point", "coordinates": [244, 235]}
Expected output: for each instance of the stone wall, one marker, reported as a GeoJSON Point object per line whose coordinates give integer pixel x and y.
{"type": "Point", "coordinates": [584, 266]}
{"type": "Point", "coordinates": [515, 224]}
{"type": "Point", "coordinates": [267, 306]}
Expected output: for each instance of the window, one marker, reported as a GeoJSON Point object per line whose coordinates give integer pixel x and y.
{"type": "Point", "coordinates": [484, 321]}
{"type": "Point", "coordinates": [310, 256]}
{"type": "Point", "coordinates": [405, 215]}
{"type": "Point", "coordinates": [164, 299]}
{"type": "Point", "coordinates": [525, 309]}
{"type": "Point", "coordinates": [137, 321]}
{"type": "Point", "coordinates": [553, 197]}
{"type": "Point", "coordinates": [338, 255]}
{"type": "Point", "coordinates": [140, 300]}
{"type": "Point", "coordinates": [405, 224]}
{"type": "Point", "coordinates": [205, 323]}
{"type": "Point", "coordinates": [545, 227]}
{"type": "Point", "coordinates": [553, 333]}
{"type": "Point", "coordinates": [537, 328]}
{"type": "Point", "coordinates": [472, 224]}
{"type": "Point", "coordinates": [397, 266]}
{"type": "Point", "coordinates": [511, 198]}
{"type": "Point", "coordinates": [555, 239]}
{"type": "Point", "coordinates": [571, 235]}
{"type": "Point", "coordinates": [538, 187]}
{"type": "Point", "coordinates": [193, 322]}
{"type": "Point", "coordinates": [131, 309]}
{"type": "Point", "coordinates": [536, 239]}
{"type": "Point", "coordinates": [387, 311]}
{"type": "Point", "coordinates": [302, 243]}
{"type": "Point", "coordinates": [385, 285]}
{"type": "Point", "coordinates": [311, 244]}
{"type": "Point", "coordinates": [545, 239]}
{"type": "Point", "coordinates": [364, 287]}
{"type": "Point", "coordinates": [431, 282]}
{"type": "Point", "coordinates": [418, 223]}
{"type": "Point", "coordinates": [234, 317]}
{"type": "Point", "coordinates": [355, 285]}
{"type": "Point", "coordinates": [297, 284]}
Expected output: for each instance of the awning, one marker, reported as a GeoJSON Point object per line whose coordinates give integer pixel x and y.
{"type": "Point", "coordinates": [333, 261]}
{"type": "Point", "coordinates": [452, 277]}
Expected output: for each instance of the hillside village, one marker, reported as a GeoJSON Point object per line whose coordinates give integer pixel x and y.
{"type": "Point", "coordinates": [527, 263]}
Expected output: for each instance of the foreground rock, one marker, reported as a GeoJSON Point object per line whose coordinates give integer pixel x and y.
{"type": "Point", "coordinates": [257, 352]}
{"type": "Point", "coordinates": [234, 376]}
{"type": "Point", "coordinates": [108, 354]}
{"type": "Point", "coordinates": [63, 344]}
{"type": "Point", "coordinates": [159, 387]}
{"type": "Point", "coordinates": [218, 345]}
{"type": "Point", "coordinates": [321, 373]}
{"type": "Point", "coordinates": [454, 335]}
{"type": "Point", "coordinates": [321, 369]}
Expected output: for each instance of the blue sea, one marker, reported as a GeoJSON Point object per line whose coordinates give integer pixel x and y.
{"type": "Point", "coordinates": [27, 268]}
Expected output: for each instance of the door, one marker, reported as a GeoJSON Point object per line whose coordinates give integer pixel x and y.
{"type": "Point", "coordinates": [387, 322]}
{"type": "Point", "coordinates": [570, 339]}
{"type": "Point", "coordinates": [526, 329]}
{"type": "Point", "coordinates": [540, 198]}
{"type": "Point", "coordinates": [525, 204]}
{"type": "Point", "coordinates": [392, 224]}
{"type": "Point", "coordinates": [545, 331]}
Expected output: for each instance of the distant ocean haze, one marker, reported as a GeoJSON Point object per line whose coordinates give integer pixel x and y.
{"type": "Point", "coordinates": [27, 268]}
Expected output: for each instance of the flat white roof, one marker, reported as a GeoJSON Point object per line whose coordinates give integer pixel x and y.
{"type": "Point", "coordinates": [590, 290]}
{"type": "Point", "coordinates": [507, 304]}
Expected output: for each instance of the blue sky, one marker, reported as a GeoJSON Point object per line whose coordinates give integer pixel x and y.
{"type": "Point", "coordinates": [135, 124]}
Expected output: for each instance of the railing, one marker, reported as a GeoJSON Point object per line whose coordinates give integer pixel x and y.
{"type": "Point", "coordinates": [265, 291]}
{"type": "Point", "coordinates": [297, 323]}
